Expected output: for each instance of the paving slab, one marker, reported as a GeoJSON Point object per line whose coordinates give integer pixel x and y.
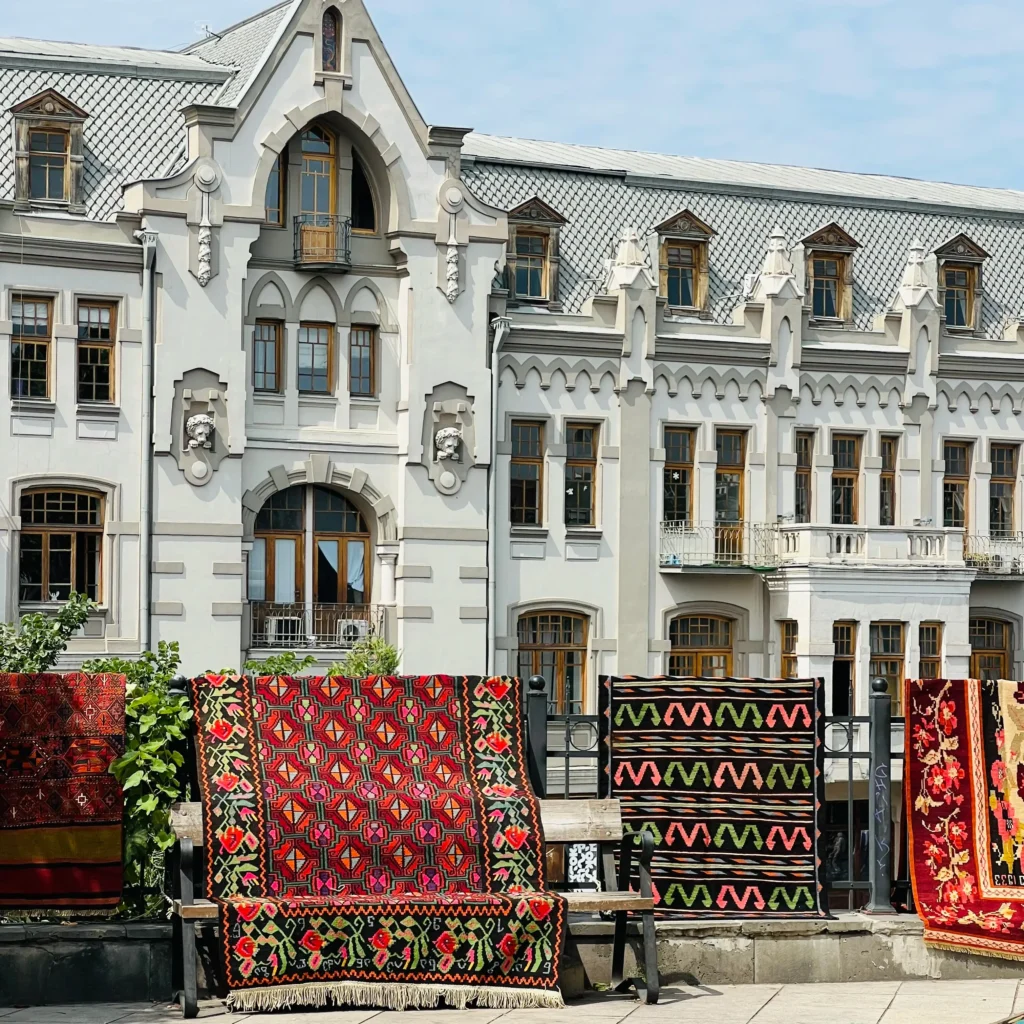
{"type": "Point", "coordinates": [838, 1003]}
{"type": "Point", "coordinates": [81, 1013]}
{"type": "Point", "coordinates": [328, 1017]}
{"type": "Point", "coordinates": [952, 1002]}
{"type": "Point", "coordinates": [701, 1004]}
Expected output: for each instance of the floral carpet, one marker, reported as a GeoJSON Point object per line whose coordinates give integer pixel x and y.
{"type": "Point", "coordinates": [965, 799]}
{"type": "Point", "coordinates": [375, 842]}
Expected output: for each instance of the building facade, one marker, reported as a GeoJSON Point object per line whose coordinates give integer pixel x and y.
{"type": "Point", "coordinates": [285, 365]}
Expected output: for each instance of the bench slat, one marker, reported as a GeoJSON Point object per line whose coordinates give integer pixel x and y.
{"type": "Point", "coordinates": [563, 821]}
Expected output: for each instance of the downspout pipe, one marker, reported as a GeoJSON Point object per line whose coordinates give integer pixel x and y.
{"type": "Point", "coordinates": [148, 240]}
{"type": "Point", "coordinates": [501, 326]}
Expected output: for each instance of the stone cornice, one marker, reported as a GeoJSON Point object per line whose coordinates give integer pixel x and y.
{"type": "Point", "coordinates": [710, 349]}
{"type": "Point", "coordinates": [70, 252]}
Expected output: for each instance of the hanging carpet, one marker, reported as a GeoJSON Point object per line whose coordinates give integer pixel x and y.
{"type": "Point", "coordinates": [375, 842]}
{"type": "Point", "coordinates": [60, 808]}
{"type": "Point", "coordinates": [965, 805]}
{"type": "Point", "coordinates": [727, 776]}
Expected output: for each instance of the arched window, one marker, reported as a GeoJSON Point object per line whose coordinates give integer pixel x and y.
{"type": "Point", "coordinates": [701, 646]}
{"type": "Point", "coordinates": [364, 215]}
{"type": "Point", "coordinates": [274, 202]}
{"type": "Point", "coordinates": [554, 645]}
{"type": "Point", "coordinates": [331, 33]}
{"type": "Point", "coordinates": [990, 648]}
{"type": "Point", "coordinates": [61, 545]}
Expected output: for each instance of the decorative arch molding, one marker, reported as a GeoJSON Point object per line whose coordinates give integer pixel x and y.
{"type": "Point", "coordinates": [739, 615]}
{"type": "Point", "coordinates": [291, 314]}
{"type": "Point", "coordinates": [1013, 620]}
{"type": "Point", "coordinates": [861, 386]}
{"type": "Point", "coordinates": [974, 394]}
{"type": "Point", "coordinates": [319, 469]}
{"type": "Point", "coordinates": [340, 316]}
{"type": "Point", "coordinates": [595, 371]}
{"type": "Point", "coordinates": [56, 481]}
{"type": "Point", "coordinates": [573, 607]}
{"type": "Point", "coordinates": [388, 320]}
{"type": "Point", "coordinates": [694, 381]}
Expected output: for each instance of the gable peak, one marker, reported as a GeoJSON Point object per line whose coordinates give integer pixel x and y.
{"type": "Point", "coordinates": [961, 247]}
{"type": "Point", "coordinates": [50, 103]}
{"type": "Point", "coordinates": [685, 224]}
{"type": "Point", "coordinates": [536, 211]}
{"type": "Point", "coordinates": [831, 236]}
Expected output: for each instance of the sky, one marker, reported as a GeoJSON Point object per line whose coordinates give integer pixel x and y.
{"type": "Point", "coordinates": [919, 88]}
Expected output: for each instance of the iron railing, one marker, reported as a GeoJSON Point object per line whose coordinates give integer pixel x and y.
{"type": "Point", "coordinates": [323, 240]}
{"type": "Point", "coordinates": [312, 626]}
{"type": "Point", "coordinates": [718, 545]}
{"type": "Point", "coordinates": [997, 555]}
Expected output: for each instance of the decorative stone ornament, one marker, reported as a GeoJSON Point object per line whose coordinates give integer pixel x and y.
{"type": "Point", "coordinates": [199, 429]}
{"type": "Point", "coordinates": [449, 442]}
{"type": "Point", "coordinates": [204, 216]}
{"type": "Point", "coordinates": [200, 422]}
{"type": "Point", "coordinates": [452, 200]}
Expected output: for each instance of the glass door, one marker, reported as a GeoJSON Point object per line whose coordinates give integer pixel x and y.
{"type": "Point", "coordinates": [317, 189]}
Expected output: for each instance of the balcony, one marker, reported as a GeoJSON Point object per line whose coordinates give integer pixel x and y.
{"type": "Point", "coordinates": [734, 547]}
{"type": "Point", "coordinates": [804, 543]}
{"type": "Point", "coordinates": [323, 242]}
{"type": "Point", "coordinates": [1000, 556]}
{"type": "Point", "coordinates": [304, 627]}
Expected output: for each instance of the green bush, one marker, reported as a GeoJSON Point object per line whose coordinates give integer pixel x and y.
{"type": "Point", "coordinates": [371, 656]}
{"type": "Point", "coordinates": [42, 638]}
{"type": "Point", "coordinates": [287, 663]}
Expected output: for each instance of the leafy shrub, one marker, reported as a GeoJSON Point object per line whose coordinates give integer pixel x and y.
{"type": "Point", "coordinates": [42, 638]}
{"type": "Point", "coordinates": [287, 663]}
{"type": "Point", "coordinates": [371, 656]}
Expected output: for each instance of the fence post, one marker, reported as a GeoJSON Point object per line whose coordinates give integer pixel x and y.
{"type": "Point", "coordinates": [537, 734]}
{"type": "Point", "coordinates": [880, 807]}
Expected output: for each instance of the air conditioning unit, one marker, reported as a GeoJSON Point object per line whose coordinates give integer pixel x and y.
{"type": "Point", "coordinates": [350, 631]}
{"type": "Point", "coordinates": [284, 629]}
{"type": "Point", "coordinates": [996, 565]}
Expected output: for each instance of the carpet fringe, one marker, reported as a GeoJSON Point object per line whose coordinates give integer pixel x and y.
{"type": "Point", "coordinates": [389, 996]}
{"type": "Point", "coordinates": [956, 947]}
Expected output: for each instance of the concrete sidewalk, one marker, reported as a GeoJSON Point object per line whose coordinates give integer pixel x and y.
{"type": "Point", "coordinates": [883, 1002]}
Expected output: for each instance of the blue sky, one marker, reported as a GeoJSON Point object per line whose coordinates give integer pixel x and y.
{"type": "Point", "coordinates": [921, 88]}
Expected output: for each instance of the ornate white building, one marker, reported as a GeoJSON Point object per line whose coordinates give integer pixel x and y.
{"type": "Point", "coordinates": [284, 364]}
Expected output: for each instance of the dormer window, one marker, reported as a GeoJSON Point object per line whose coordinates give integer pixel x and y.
{"type": "Point", "coordinates": [959, 273]}
{"type": "Point", "coordinates": [49, 152]}
{"type": "Point", "coordinates": [533, 254]}
{"type": "Point", "coordinates": [330, 30]}
{"type": "Point", "coordinates": [683, 248]}
{"type": "Point", "coordinates": [830, 273]}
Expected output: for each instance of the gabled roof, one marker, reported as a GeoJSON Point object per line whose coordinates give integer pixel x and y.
{"type": "Point", "coordinates": [685, 224]}
{"type": "Point", "coordinates": [831, 236]}
{"type": "Point", "coordinates": [50, 103]}
{"type": "Point", "coordinates": [962, 247]}
{"type": "Point", "coordinates": [535, 209]}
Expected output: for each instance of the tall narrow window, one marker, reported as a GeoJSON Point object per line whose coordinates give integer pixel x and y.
{"type": "Point", "coordinates": [959, 295]}
{"type": "Point", "coordinates": [97, 328]}
{"type": "Point", "coordinates": [930, 641]}
{"type": "Point", "coordinates": [887, 482]}
{"type": "Point", "coordinates": [680, 273]}
{"type": "Point", "coordinates": [31, 331]}
{"type": "Point", "coordinates": [701, 645]}
{"type": "Point", "coordinates": [274, 202]}
{"type": "Point", "coordinates": [526, 473]}
{"type": "Point", "coordinates": [802, 485]}
{"type": "Point", "coordinates": [317, 238]}
{"type": "Point", "coordinates": [362, 376]}
{"type": "Point", "coordinates": [48, 165]}
{"type": "Point", "coordinates": [844, 641]}
{"type": "Point", "coordinates": [990, 648]}
{"type": "Point", "coordinates": [887, 653]}
{"type": "Point", "coordinates": [364, 213]}
{"type": "Point", "coordinates": [845, 477]}
{"type": "Point", "coordinates": [330, 27]}
{"type": "Point", "coordinates": [789, 635]}
{"type": "Point", "coordinates": [554, 645]}
{"type": "Point", "coordinates": [1002, 489]}
{"type": "Point", "coordinates": [731, 449]}
{"type": "Point", "coordinates": [531, 265]}
{"type": "Point", "coordinates": [957, 456]}
{"type": "Point", "coordinates": [315, 358]}
{"type": "Point", "coordinates": [61, 545]}
{"type": "Point", "coordinates": [678, 475]}
{"type": "Point", "coordinates": [580, 474]}
{"type": "Point", "coordinates": [827, 285]}
{"type": "Point", "coordinates": [266, 356]}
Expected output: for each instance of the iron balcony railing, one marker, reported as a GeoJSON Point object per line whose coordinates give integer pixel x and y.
{"type": "Point", "coordinates": [312, 626]}
{"type": "Point", "coordinates": [323, 240]}
{"type": "Point", "coordinates": [997, 555]}
{"type": "Point", "coordinates": [739, 545]}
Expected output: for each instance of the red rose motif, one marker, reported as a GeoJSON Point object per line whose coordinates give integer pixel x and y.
{"type": "Point", "coordinates": [231, 838]}
{"type": "Point", "coordinates": [227, 781]}
{"type": "Point", "coordinates": [381, 939]}
{"type": "Point", "coordinates": [245, 947]}
{"type": "Point", "coordinates": [248, 911]}
{"type": "Point", "coordinates": [540, 909]}
{"type": "Point", "coordinates": [220, 729]}
{"type": "Point", "coordinates": [516, 836]}
{"type": "Point", "coordinates": [446, 943]}
{"type": "Point", "coordinates": [312, 941]}
{"type": "Point", "coordinates": [498, 687]}
{"type": "Point", "coordinates": [500, 790]}
{"type": "Point", "coordinates": [947, 718]}
{"type": "Point", "coordinates": [498, 743]}
{"type": "Point", "coordinates": [508, 945]}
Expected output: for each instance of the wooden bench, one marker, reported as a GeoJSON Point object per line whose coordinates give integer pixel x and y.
{"type": "Point", "coordinates": [563, 821]}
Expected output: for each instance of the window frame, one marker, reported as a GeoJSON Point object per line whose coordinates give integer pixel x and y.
{"type": "Point", "coordinates": [19, 339]}
{"type": "Point", "coordinates": [526, 460]}
{"type": "Point", "coordinates": [545, 264]}
{"type": "Point", "coordinates": [47, 154]}
{"type": "Point", "coordinates": [890, 659]}
{"type": "Point", "coordinates": [1004, 480]}
{"type": "Point", "coordinates": [840, 260]}
{"type": "Point", "coordinates": [929, 665]}
{"type": "Point", "coordinates": [580, 463]}
{"type": "Point", "coordinates": [333, 66]}
{"type": "Point", "coordinates": [971, 280]}
{"type": "Point", "coordinates": [560, 650]}
{"type": "Point", "coordinates": [957, 480]}
{"type": "Point", "coordinates": [1003, 655]}
{"type": "Point", "coordinates": [698, 652]}
{"type": "Point", "coordinates": [307, 325]}
{"type": "Point", "coordinates": [109, 345]}
{"type": "Point", "coordinates": [371, 332]}
{"type": "Point", "coordinates": [789, 637]}
{"type": "Point", "coordinates": [47, 530]}
{"type": "Point", "coordinates": [358, 161]}
{"type": "Point", "coordinates": [847, 478]}
{"type": "Point", "coordinates": [697, 267]}
{"type": "Point", "coordinates": [804, 473]}
{"type": "Point", "coordinates": [888, 443]}
{"type": "Point", "coordinates": [687, 478]}
{"type": "Point", "coordinates": [280, 168]}
{"type": "Point", "coordinates": [844, 649]}
{"type": "Point", "coordinates": [278, 345]}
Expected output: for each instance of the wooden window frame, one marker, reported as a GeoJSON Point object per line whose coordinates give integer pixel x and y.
{"type": "Point", "coordinates": [576, 462]}
{"type": "Point", "coordinates": [331, 329]}
{"type": "Point", "coordinates": [889, 659]}
{"type": "Point", "coordinates": [46, 341]}
{"type": "Point", "coordinates": [957, 480]}
{"type": "Point", "coordinates": [789, 636]}
{"type": "Point", "coordinates": [536, 651]}
{"type": "Point", "coordinates": [1007, 480]}
{"type": "Point", "coordinates": [804, 475]}
{"type": "Point", "coordinates": [971, 272]}
{"type": "Point", "coordinates": [278, 345]}
{"type": "Point", "coordinates": [331, 159]}
{"type": "Point", "coordinates": [371, 332]}
{"type": "Point", "coordinates": [527, 460]}
{"type": "Point", "coordinates": [280, 167]}
{"type": "Point", "coordinates": [342, 539]}
{"type": "Point", "coordinates": [888, 449]}
{"type": "Point", "coordinates": [47, 530]}
{"type": "Point", "coordinates": [686, 471]}
{"type": "Point", "coordinates": [844, 476]}
{"type": "Point", "coordinates": [65, 154]}
{"type": "Point", "coordinates": [929, 642]}
{"type": "Point", "coordinates": [109, 345]}
{"type": "Point", "coordinates": [1003, 655]}
{"type": "Point", "coordinates": [545, 264]}
{"type": "Point", "coordinates": [699, 268]}
{"type": "Point", "coordinates": [844, 641]}
{"type": "Point", "coordinates": [698, 652]}
{"type": "Point", "coordinates": [842, 262]}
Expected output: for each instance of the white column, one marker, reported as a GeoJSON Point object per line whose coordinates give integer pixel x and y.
{"type": "Point", "coordinates": [309, 560]}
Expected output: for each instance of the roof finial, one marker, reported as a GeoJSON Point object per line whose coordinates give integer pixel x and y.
{"type": "Point", "coordinates": [914, 284]}
{"type": "Point", "coordinates": [629, 253]}
{"type": "Point", "coordinates": [776, 260]}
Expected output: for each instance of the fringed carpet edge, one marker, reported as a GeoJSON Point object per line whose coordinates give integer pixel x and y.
{"type": "Point", "coordinates": [967, 945]}
{"type": "Point", "coordinates": [390, 996]}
